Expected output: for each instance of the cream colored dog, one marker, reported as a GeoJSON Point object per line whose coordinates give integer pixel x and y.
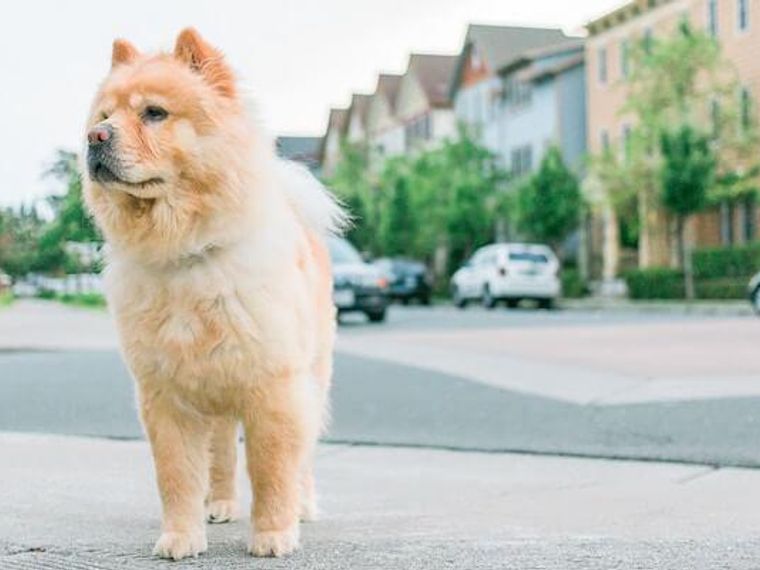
{"type": "Point", "coordinates": [219, 281]}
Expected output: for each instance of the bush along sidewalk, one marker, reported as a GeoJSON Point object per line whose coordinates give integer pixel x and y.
{"type": "Point", "coordinates": [95, 300]}
{"type": "Point", "coordinates": [720, 273]}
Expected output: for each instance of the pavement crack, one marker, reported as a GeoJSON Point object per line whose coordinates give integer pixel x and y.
{"type": "Point", "coordinates": [698, 475]}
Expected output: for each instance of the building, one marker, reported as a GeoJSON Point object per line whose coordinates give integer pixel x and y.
{"type": "Point", "coordinates": [306, 150]}
{"type": "Point", "coordinates": [476, 86]}
{"type": "Point", "coordinates": [542, 103]}
{"type": "Point", "coordinates": [424, 107]}
{"type": "Point", "coordinates": [736, 25]}
{"type": "Point", "coordinates": [337, 123]}
{"type": "Point", "coordinates": [356, 119]}
{"type": "Point", "coordinates": [384, 130]}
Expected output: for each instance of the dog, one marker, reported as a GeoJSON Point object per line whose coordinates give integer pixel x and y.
{"type": "Point", "coordinates": [218, 278]}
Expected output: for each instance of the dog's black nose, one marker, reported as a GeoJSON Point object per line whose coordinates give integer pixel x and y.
{"type": "Point", "coordinates": [99, 134]}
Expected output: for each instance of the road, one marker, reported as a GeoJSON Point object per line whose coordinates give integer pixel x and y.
{"type": "Point", "coordinates": [619, 385]}
{"type": "Point", "coordinates": [413, 473]}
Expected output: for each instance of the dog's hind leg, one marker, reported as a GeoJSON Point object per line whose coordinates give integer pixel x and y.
{"type": "Point", "coordinates": [221, 503]}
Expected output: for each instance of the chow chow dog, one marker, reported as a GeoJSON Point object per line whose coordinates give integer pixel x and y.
{"type": "Point", "coordinates": [219, 281]}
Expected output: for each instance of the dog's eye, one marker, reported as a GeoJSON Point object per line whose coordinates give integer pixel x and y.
{"type": "Point", "coordinates": [103, 116]}
{"type": "Point", "coordinates": [154, 114]}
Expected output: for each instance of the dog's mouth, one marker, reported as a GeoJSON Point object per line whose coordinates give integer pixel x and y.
{"type": "Point", "coordinates": [104, 175]}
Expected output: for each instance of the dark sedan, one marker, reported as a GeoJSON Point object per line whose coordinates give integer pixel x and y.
{"type": "Point", "coordinates": [357, 285]}
{"type": "Point", "coordinates": [408, 280]}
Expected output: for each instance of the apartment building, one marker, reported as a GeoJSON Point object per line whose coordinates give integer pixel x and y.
{"type": "Point", "coordinates": [735, 24]}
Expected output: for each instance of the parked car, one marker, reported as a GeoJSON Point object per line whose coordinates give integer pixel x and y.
{"type": "Point", "coordinates": [509, 272]}
{"type": "Point", "coordinates": [357, 285]}
{"type": "Point", "coordinates": [753, 290]}
{"type": "Point", "coordinates": [408, 280]}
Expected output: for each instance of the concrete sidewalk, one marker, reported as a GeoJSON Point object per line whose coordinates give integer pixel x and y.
{"type": "Point", "coordinates": [88, 503]}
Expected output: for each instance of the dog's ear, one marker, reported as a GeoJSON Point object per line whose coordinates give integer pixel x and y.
{"type": "Point", "coordinates": [192, 50]}
{"type": "Point", "coordinates": [123, 52]}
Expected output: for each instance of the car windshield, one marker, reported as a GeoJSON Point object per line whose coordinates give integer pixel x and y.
{"type": "Point", "coordinates": [342, 251]}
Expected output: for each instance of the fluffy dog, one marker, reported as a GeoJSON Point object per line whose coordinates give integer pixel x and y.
{"type": "Point", "coordinates": [219, 281]}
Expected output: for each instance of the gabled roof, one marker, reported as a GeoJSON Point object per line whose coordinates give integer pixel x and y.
{"type": "Point", "coordinates": [500, 45]}
{"type": "Point", "coordinates": [387, 86]}
{"type": "Point", "coordinates": [358, 107]}
{"type": "Point", "coordinates": [306, 150]}
{"type": "Point", "coordinates": [434, 74]}
{"type": "Point", "coordinates": [568, 47]}
{"type": "Point", "coordinates": [338, 120]}
{"type": "Point", "coordinates": [536, 73]}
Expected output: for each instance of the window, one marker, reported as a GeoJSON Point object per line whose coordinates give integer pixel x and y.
{"type": "Point", "coordinates": [626, 141]}
{"type": "Point", "coordinates": [624, 58]}
{"type": "Point", "coordinates": [602, 57]}
{"type": "Point", "coordinates": [750, 215]}
{"type": "Point", "coordinates": [605, 140]}
{"type": "Point", "coordinates": [715, 118]}
{"type": "Point", "coordinates": [727, 223]}
{"type": "Point", "coordinates": [712, 17]}
{"type": "Point", "coordinates": [416, 130]}
{"type": "Point", "coordinates": [517, 93]}
{"type": "Point", "coordinates": [742, 14]}
{"type": "Point", "coordinates": [745, 108]}
{"type": "Point", "coordinates": [522, 160]}
{"type": "Point", "coordinates": [647, 40]}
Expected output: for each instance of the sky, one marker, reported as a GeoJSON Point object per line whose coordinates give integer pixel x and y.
{"type": "Point", "coordinates": [297, 58]}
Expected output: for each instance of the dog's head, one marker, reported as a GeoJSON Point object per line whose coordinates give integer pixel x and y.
{"type": "Point", "coordinates": [165, 135]}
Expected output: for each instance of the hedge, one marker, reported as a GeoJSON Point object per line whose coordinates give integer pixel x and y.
{"type": "Point", "coordinates": [657, 283]}
{"type": "Point", "coordinates": [573, 285]}
{"type": "Point", "coordinates": [719, 273]}
{"type": "Point", "coordinates": [722, 262]}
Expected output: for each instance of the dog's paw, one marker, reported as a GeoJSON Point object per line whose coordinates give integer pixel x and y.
{"type": "Point", "coordinates": [221, 511]}
{"type": "Point", "coordinates": [178, 545]}
{"type": "Point", "coordinates": [274, 543]}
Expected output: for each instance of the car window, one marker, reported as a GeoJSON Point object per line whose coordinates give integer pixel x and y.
{"type": "Point", "coordinates": [342, 251]}
{"type": "Point", "coordinates": [528, 256]}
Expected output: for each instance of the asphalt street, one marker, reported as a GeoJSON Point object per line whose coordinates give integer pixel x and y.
{"type": "Point", "coordinates": [380, 402]}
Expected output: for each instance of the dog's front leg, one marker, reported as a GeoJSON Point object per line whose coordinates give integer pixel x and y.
{"type": "Point", "coordinates": [276, 438]}
{"type": "Point", "coordinates": [179, 441]}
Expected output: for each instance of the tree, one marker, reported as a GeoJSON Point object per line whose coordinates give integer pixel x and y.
{"type": "Point", "coordinates": [397, 222]}
{"type": "Point", "coordinates": [687, 174]}
{"type": "Point", "coordinates": [71, 222]}
{"type": "Point", "coordinates": [549, 203]}
{"type": "Point", "coordinates": [351, 182]}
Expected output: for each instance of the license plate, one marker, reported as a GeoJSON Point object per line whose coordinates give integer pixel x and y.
{"type": "Point", "coordinates": [344, 298]}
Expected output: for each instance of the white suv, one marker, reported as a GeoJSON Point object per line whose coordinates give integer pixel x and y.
{"type": "Point", "coordinates": [510, 272]}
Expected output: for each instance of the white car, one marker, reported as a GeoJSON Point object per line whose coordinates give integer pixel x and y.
{"type": "Point", "coordinates": [508, 272]}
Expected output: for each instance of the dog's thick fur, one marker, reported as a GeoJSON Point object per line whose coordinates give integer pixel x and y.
{"type": "Point", "coordinates": [219, 281]}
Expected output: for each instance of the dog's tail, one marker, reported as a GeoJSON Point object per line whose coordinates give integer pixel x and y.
{"type": "Point", "coordinates": [319, 208]}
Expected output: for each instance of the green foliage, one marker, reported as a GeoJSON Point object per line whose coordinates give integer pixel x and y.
{"type": "Point", "coordinates": [6, 298]}
{"type": "Point", "coordinates": [720, 273]}
{"type": "Point", "coordinates": [687, 171]}
{"type": "Point", "coordinates": [351, 182]}
{"type": "Point", "coordinates": [95, 300]}
{"type": "Point", "coordinates": [19, 231]}
{"type": "Point", "coordinates": [549, 203]}
{"type": "Point", "coordinates": [740, 262]}
{"type": "Point", "coordinates": [655, 283]}
{"type": "Point", "coordinates": [72, 223]}
{"type": "Point", "coordinates": [573, 284]}
{"type": "Point", "coordinates": [446, 197]}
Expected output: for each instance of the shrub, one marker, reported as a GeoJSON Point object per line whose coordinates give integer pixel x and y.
{"type": "Point", "coordinates": [656, 283]}
{"type": "Point", "coordinates": [727, 288]}
{"type": "Point", "coordinates": [722, 262]}
{"type": "Point", "coordinates": [573, 285]}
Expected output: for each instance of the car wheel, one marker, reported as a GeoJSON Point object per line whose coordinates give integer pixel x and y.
{"type": "Point", "coordinates": [547, 304]}
{"type": "Point", "coordinates": [756, 301]}
{"type": "Point", "coordinates": [488, 300]}
{"type": "Point", "coordinates": [425, 300]}
{"type": "Point", "coordinates": [459, 301]}
{"type": "Point", "coordinates": [512, 303]}
{"type": "Point", "coordinates": [376, 316]}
